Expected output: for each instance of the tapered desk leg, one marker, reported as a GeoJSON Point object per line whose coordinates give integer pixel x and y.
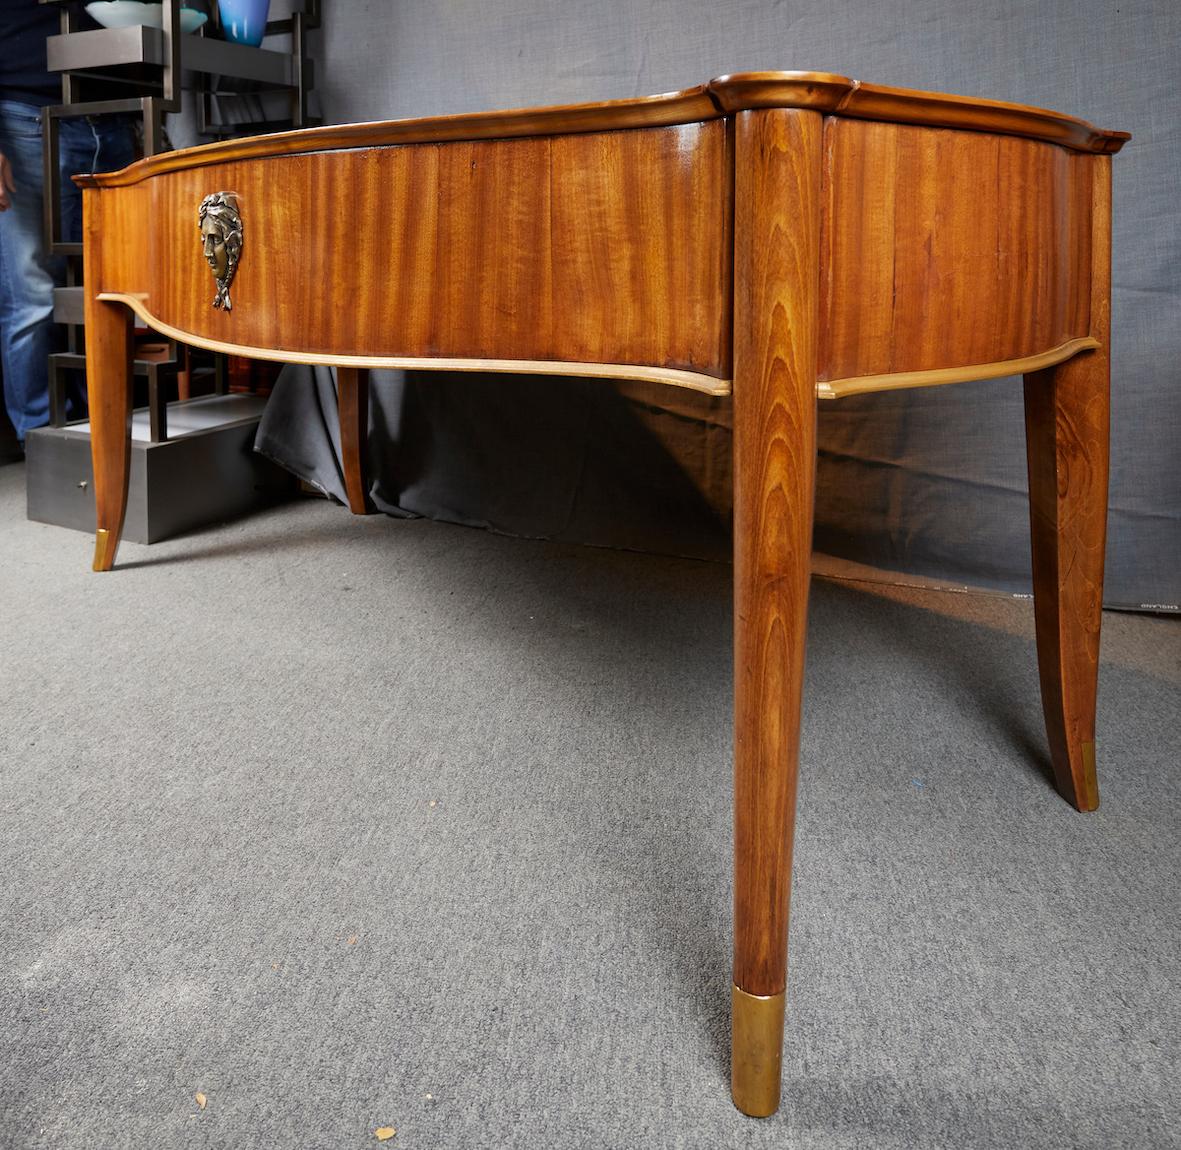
{"type": "Point", "coordinates": [1067, 429]}
{"type": "Point", "coordinates": [352, 386]}
{"type": "Point", "coordinates": [108, 385]}
{"type": "Point", "coordinates": [776, 245]}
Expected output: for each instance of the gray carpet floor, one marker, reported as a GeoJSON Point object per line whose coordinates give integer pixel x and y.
{"type": "Point", "coordinates": [351, 823]}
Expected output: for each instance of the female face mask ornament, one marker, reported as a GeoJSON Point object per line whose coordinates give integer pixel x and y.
{"type": "Point", "coordinates": [220, 223]}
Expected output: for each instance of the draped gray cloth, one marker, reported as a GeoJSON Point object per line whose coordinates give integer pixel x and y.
{"type": "Point", "coordinates": [929, 481]}
{"type": "Point", "coordinates": [581, 460]}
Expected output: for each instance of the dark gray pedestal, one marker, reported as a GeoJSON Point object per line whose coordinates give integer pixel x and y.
{"type": "Point", "coordinates": [205, 472]}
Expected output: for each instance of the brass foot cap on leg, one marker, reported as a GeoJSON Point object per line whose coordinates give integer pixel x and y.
{"type": "Point", "coordinates": [756, 1051]}
{"type": "Point", "coordinates": [104, 550]}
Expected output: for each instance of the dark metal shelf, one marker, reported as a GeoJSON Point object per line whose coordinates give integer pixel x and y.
{"type": "Point", "coordinates": [68, 302]}
{"type": "Point", "coordinates": [143, 70]}
{"type": "Point", "coordinates": [93, 52]}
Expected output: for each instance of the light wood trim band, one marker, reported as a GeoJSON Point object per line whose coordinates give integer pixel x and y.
{"type": "Point", "coordinates": [695, 381]}
{"type": "Point", "coordinates": [861, 384]}
{"type": "Point", "coordinates": [821, 91]}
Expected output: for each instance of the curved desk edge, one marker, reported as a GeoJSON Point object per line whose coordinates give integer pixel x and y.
{"type": "Point", "coordinates": [969, 373]}
{"type": "Point", "coordinates": [860, 101]}
{"type": "Point", "coordinates": [694, 381]}
{"type": "Point", "coordinates": [824, 92]}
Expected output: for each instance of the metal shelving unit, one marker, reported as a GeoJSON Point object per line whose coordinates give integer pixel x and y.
{"type": "Point", "coordinates": [155, 65]}
{"type": "Point", "coordinates": [142, 71]}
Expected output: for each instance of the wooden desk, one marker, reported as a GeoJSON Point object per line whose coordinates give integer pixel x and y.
{"type": "Point", "coordinates": [778, 237]}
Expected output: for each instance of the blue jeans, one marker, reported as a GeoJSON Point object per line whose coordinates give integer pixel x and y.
{"type": "Point", "coordinates": [28, 274]}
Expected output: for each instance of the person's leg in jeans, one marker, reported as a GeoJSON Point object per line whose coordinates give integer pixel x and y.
{"type": "Point", "coordinates": [87, 144]}
{"type": "Point", "coordinates": [27, 275]}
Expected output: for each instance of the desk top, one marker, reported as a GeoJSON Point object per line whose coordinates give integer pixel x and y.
{"type": "Point", "coordinates": [820, 91]}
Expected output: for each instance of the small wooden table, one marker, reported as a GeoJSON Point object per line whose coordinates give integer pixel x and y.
{"type": "Point", "coordinates": [779, 237]}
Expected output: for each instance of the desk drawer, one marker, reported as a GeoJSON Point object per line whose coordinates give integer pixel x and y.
{"type": "Point", "coordinates": [606, 247]}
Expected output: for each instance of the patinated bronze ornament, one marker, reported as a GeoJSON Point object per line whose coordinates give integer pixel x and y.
{"type": "Point", "coordinates": [220, 222]}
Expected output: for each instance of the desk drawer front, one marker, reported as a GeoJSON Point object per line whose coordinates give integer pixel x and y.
{"type": "Point", "coordinates": [945, 248]}
{"type": "Point", "coordinates": [607, 248]}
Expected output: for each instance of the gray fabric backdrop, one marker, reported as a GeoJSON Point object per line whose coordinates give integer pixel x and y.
{"type": "Point", "coordinates": [928, 481]}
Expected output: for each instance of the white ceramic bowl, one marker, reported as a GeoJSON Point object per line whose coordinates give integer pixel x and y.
{"type": "Point", "coordinates": [125, 13]}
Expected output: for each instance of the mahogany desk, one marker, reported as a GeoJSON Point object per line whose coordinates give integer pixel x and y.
{"type": "Point", "coordinates": [777, 237]}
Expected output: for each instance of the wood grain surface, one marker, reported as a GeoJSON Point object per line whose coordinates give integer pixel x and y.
{"type": "Point", "coordinates": [611, 248]}
{"type": "Point", "coordinates": [108, 377]}
{"type": "Point", "coordinates": [947, 255]}
{"type": "Point", "coordinates": [776, 273]}
{"type": "Point", "coordinates": [693, 105]}
{"type": "Point", "coordinates": [945, 248]}
{"type": "Point", "coordinates": [1067, 418]}
{"type": "Point", "coordinates": [940, 110]}
{"type": "Point", "coordinates": [352, 389]}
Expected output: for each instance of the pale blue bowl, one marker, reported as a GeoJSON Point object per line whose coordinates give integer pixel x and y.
{"type": "Point", "coordinates": [126, 13]}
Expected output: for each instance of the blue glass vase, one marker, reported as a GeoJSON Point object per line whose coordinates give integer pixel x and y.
{"type": "Point", "coordinates": [243, 21]}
